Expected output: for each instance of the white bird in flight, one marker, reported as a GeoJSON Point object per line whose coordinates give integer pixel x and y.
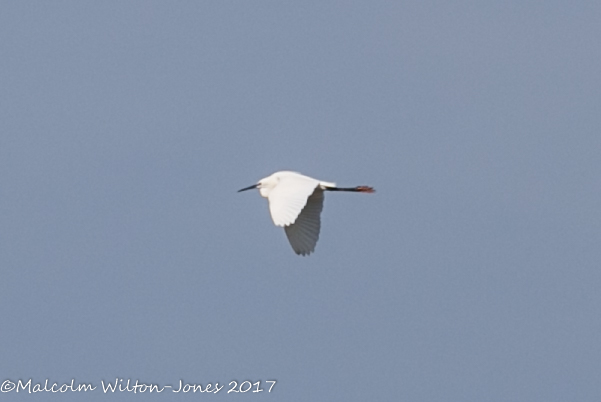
{"type": "Point", "coordinates": [295, 203]}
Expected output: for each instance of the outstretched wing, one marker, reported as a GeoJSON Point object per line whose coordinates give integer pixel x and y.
{"type": "Point", "coordinates": [288, 197]}
{"type": "Point", "coordinates": [304, 232]}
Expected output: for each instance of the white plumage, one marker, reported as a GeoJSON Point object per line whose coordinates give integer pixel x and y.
{"type": "Point", "coordinates": [295, 203]}
{"type": "Point", "coordinates": [304, 232]}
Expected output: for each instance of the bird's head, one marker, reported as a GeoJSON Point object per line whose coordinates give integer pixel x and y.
{"type": "Point", "coordinates": [267, 184]}
{"type": "Point", "coordinates": [264, 185]}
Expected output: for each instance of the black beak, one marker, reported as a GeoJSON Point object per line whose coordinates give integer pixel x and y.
{"type": "Point", "coordinates": [249, 187]}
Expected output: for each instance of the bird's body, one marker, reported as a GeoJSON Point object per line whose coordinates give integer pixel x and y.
{"type": "Point", "coordinates": [295, 203]}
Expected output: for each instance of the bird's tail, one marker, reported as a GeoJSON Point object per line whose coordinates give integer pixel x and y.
{"type": "Point", "coordinates": [325, 184]}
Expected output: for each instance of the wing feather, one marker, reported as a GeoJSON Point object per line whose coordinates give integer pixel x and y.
{"type": "Point", "coordinates": [304, 232]}
{"type": "Point", "coordinates": [289, 197]}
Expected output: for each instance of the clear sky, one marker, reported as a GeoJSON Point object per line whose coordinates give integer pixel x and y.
{"type": "Point", "coordinates": [473, 273]}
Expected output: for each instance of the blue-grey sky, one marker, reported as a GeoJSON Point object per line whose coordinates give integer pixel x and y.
{"type": "Point", "coordinates": [473, 273]}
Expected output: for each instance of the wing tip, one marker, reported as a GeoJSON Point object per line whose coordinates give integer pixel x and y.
{"type": "Point", "coordinates": [304, 253]}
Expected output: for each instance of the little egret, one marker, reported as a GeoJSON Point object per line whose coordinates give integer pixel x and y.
{"type": "Point", "coordinates": [295, 203]}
